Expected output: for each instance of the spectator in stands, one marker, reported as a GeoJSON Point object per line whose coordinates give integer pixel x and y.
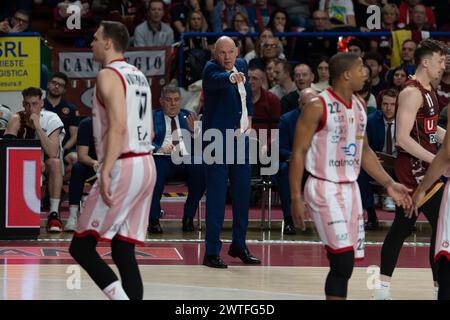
{"type": "Point", "coordinates": [167, 122]}
{"type": "Point", "coordinates": [271, 49]}
{"type": "Point", "coordinates": [356, 46]}
{"type": "Point", "coordinates": [19, 22]}
{"type": "Point", "coordinates": [240, 24]}
{"type": "Point", "coordinates": [223, 13]}
{"type": "Point", "coordinates": [270, 74]}
{"type": "Point", "coordinates": [298, 11]}
{"type": "Point", "coordinates": [256, 53]}
{"type": "Point", "coordinates": [5, 115]}
{"type": "Point", "coordinates": [287, 126]}
{"type": "Point", "coordinates": [381, 137]}
{"type": "Point", "coordinates": [407, 56]}
{"type": "Point", "coordinates": [154, 32]}
{"type": "Point", "coordinates": [395, 80]}
{"type": "Point", "coordinates": [266, 106]}
{"type": "Point", "coordinates": [375, 62]}
{"type": "Point", "coordinates": [398, 79]}
{"type": "Point", "coordinates": [366, 92]}
{"type": "Point", "coordinates": [36, 123]}
{"type": "Point", "coordinates": [197, 50]}
{"type": "Point", "coordinates": [85, 168]}
{"type": "Point", "coordinates": [406, 13]}
{"type": "Point", "coordinates": [67, 112]}
{"type": "Point", "coordinates": [303, 77]}
{"type": "Point", "coordinates": [311, 48]}
{"type": "Point", "coordinates": [322, 74]}
{"type": "Point", "coordinates": [389, 21]}
{"type": "Point", "coordinates": [279, 22]}
{"type": "Point", "coordinates": [283, 75]}
{"type": "Point", "coordinates": [419, 20]}
{"type": "Point", "coordinates": [196, 22]}
{"type": "Point", "coordinates": [123, 11]}
{"type": "Point", "coordinates": [180, 13]}
{"type": "Point", "coordinates": [341, 12]}
{"type": "Point", "coordinates": [259, 15]}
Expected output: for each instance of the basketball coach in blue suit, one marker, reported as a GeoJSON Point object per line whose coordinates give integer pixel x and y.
{"type": "Point", "coordinates": [228, 105]}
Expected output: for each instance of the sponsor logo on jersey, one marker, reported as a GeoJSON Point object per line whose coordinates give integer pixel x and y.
{"type": "Point", "coordinates": [65, 110]}
{"type": "Point", "coordinates": [344, 163]}
{"type": "Point", "coordinates": [430, 124]}
{"type": "Point", "coordinates": [335, 138]}
{"type": "Point", "coordinates": [342, 237]}
{"type": "Point", "coordinates": [350, 150]}
{"type": "Point", "coordinates": [339, 118]}
{"type": "Point", "coordinates": [95, 223]}
{"type": "Point", "coordinates": [445, 244]}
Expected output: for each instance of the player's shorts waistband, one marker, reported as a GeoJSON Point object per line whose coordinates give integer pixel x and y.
{"type": "Point", "coordinates": [133, 155]}
{"type": "Point", "coordinates": [338, 182]}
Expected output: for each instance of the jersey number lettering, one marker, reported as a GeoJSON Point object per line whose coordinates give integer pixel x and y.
{"type": "Point", "coordinates": [334, 107]}
{"type": "Point", "coordinates": [142, 103]}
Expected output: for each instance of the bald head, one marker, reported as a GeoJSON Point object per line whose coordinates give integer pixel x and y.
{"type": "Point", "coordinates": [305, 97]}
{"type": "Point", "coordinates": [225, 52]}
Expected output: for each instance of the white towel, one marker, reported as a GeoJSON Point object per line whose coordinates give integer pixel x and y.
{"type": "Point", "coordinates": [243, 94]}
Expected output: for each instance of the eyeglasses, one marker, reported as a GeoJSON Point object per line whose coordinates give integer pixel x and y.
{"type": "Point", "coordinates": [268, 45]}
{"type": "Point", "coordinates": [24, 21]}
{"type": "Point", "coordinates": [58, 84]}
{"type": "Point", "coordinates": [320, 19]}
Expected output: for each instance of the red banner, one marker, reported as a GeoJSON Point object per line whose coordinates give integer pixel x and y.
{"type": "Point", "coordinates": [23, 192]}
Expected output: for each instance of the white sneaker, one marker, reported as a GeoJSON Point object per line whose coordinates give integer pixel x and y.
{"type": "Point", "coordinates": [71, 224]}
{"type": "Point", "coordinates": [388, 204]}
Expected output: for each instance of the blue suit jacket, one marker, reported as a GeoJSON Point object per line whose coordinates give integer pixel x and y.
{"type": "Point", "coordinates": [376, 130]}
{"type": "Point", "coordinates": [159, 125]}
{"type": "Point", "coordinates": [287, 125]}
{"type": "Point", "coordinates": [222, 108]}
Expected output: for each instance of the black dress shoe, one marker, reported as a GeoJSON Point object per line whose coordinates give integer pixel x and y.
{"type": "Point", "coordinates": [243, 254]}
{"type": "Point", "coordinates": [214, 262]}
{"type": "Point", "coordinates": [188, 224]}
{"type": "Point", "coordinates": [289, 228]}
{"type": "Point", "coordinates": [155, 227]}
{"type": "Point", "coordinates": [371, 225]}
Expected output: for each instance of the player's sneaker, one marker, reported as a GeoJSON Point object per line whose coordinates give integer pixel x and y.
{"type": "Point", "coordinates": [388, 204]}
{"type": "Point", "coordinates": [71, 224]}
{"type": "Point", "coordinates": [54, 224]}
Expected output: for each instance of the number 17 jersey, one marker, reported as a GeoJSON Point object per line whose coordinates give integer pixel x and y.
{"type": "Point", "coordinates": [139, 122]}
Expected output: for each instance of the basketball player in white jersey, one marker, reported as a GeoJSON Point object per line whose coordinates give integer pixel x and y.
{"type": "Point", "coordinates": [117, 207]}
{"type": "Point", "coordinates": [330, 142]}
{"type": "Point", "coordinates": [439, 166]}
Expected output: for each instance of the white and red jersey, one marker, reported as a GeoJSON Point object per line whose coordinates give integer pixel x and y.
{"type": "Point", "coordinates": [138, 106]}
{"type": "Point", "coordinates": [336, 147]}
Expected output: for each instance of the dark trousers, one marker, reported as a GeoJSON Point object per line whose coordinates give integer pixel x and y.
{"type": "Point", "coordinates": [217, 176]}
{"type": "Point", "coordinates": [366, 190]}
{"type": "Point", "coordinates": [284, 190]}
{"type": "Point", "coordinates": [80, 173]}
{"type": "Point", "coordinates": [166, 170]}
{"type": "Point", "coordinates": [402, 227]}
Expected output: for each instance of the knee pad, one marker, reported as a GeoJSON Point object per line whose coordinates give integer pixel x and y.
{"type": "Point", "coordinates": [341, 264]}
